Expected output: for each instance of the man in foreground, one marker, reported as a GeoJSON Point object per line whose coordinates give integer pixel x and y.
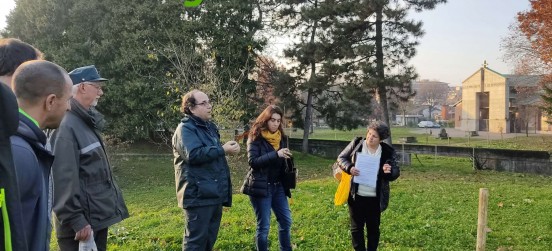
{"type": "Point", "coordinates": [43, 90]}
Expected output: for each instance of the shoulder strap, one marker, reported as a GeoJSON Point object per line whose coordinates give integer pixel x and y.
{"type": "Point", "coordinates": [358, 144]}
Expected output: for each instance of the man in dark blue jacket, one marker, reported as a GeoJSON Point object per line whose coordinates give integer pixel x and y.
{"type": "Point", "coordinates": [201, 172]}
{"type": "Point", "coordinates": [43, 90]}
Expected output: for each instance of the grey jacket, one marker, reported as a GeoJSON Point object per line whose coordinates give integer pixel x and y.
{"type": "Point", "coordinates": [201, 172]}
{"type": "Point", "coordinates": [85, 191]}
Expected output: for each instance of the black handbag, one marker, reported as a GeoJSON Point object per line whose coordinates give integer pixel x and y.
{"type": "Point", "coordinates": [290, 174]}
{"type": "Point", "coordinates": [255, 184]}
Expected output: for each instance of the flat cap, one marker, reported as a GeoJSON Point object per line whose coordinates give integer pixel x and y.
{"type": "Point", "coordinates": [85, 74]}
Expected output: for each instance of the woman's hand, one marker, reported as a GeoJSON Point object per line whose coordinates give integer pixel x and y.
{"type": "Point", "coordinates": [386, 168]}
{"type": "Point", "coordinates": [355, 171]}
{"type": "Point", "coordinates": [284, 153]}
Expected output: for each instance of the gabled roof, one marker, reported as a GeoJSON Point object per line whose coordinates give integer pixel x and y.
{"type": "Point", "coordinates": [491, 70]}
{"type": "Point", "coordinates": [457, 103]}
{"type": "Point", "coordinates": [522, 80]}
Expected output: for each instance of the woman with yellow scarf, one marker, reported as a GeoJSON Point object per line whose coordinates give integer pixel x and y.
{"type": "Point", "coordinates": [267, 154]}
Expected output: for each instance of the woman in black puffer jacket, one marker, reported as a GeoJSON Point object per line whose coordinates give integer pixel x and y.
{"type": "Point", "coordinates": [267, 155]}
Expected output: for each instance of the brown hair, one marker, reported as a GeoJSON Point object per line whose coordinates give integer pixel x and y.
{"type": "Point", "coordinates": [14, 52]}
{"type": "Point", "coordinates": [381, 128]}
{"type": "Point", "coordinates": [188, 101]}
{"type": "Point", "coordinates": [261, 123]}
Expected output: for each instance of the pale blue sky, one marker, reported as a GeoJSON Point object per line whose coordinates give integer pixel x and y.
{"type": "Point", "coordinates": [460, 35]}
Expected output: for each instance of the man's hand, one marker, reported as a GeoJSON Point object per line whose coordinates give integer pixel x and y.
{"type": "Point", "coordinates": [231, 147]}
{"type": "Point", "coordinates": [84, 233]}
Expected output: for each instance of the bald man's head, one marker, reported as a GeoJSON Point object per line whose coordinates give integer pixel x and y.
{"type": "Point", "coordinates": [36, 79]}
{"type": "Point", "coordinates": [43, 90]}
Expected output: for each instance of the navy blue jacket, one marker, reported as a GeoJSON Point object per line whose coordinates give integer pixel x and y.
{"type": "Point", "coordinates": [201, 172]}
{"type": "Point", "coordinates": [32, 165]}
{"type": "Point", "coordinates": [9, 120]}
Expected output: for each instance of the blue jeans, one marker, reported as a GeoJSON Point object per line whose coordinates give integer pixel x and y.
{"type": "Point", "coordinates": [277, 200]}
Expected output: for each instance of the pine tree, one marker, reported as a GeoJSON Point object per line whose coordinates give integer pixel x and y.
{"type": "Point", "coordinates": [378, 41]}
{"type": "Point", "coordinates": [317, 81]}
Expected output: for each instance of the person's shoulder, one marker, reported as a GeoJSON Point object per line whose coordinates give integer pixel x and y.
{"type": "Point", "coordinates": [386, 147]}
{"type": "Point", "coordinates": [255, 141]}
{"type": "Point", "coordinates": [20, 147]}
{"type": "Point", "coordinates": [189, 124]}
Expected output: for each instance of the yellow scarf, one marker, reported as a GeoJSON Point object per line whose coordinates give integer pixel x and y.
{"type": "Point", "coordinates": [272, 138]}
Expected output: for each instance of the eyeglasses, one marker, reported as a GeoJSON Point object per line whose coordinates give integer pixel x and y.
{"type": "Point", "coordinates": [205, 103]}
{"type": "Point", "coordinates": [98, 87]}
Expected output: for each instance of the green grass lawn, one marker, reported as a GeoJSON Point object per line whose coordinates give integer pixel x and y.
{"type": "Point", "coordinates": [433, 207]}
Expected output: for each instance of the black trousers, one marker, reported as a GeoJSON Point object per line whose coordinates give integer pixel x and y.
{"type": "Point", "coordinates": [364, 211]}
{"type": "Point", "coordinates": [70, 244]}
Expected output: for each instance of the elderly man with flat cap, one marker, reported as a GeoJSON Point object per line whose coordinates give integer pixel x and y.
{"type": "Point", "coordinates": [87, 200]}
{"type": "Point", "coordinates": [43, 90]}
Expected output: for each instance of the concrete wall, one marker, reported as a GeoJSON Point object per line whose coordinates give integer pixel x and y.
{"type": "Point", "coordinates": [496, 85]}
{"type": "Point", "coordinates": [458, 116]}
{"type": "Point", "coordinates": [545, 127]}
{"type": "Point", "coordinates": [538, 162]}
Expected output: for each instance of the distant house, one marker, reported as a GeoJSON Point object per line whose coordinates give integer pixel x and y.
{"type": "Point", "coordinates": [408, 120]}
{"type": "Point", "coordinates": [417, 114]}
{"type": "Point", "coordinates": [492, 102]}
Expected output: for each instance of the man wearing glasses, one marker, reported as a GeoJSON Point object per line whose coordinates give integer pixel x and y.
{"type": "Point", "coordinates": [201, 172]}
{"type": "Point", "coordinates": [87, 199]}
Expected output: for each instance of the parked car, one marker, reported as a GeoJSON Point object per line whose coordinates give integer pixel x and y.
{"type": "Point", "coordinates": [428, 124]}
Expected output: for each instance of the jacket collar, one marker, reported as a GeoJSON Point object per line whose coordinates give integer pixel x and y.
{"type": "Point", "coordinates": [29, 131]}
{"type": "Point", "coordinates": [194, 119]}
{"type": "Point", "coordinates": [82, 113]}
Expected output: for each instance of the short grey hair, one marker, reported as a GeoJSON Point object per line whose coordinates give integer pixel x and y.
{"type": "Point", "coordinates": [75, 88]}
{"type": "Point", "coordinates": [381, 128]}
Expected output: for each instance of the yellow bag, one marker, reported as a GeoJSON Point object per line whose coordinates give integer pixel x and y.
{"type": "Point", "coordinates": [343, 189]}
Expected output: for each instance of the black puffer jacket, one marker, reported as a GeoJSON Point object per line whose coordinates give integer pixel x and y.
{"type": "Point", "coordinates": [264, 162]}
{"type": "Point", "coordinates": [346, 162]}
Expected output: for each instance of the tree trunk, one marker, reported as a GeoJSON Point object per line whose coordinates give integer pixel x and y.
{"type": "Point", "coordinates": [380, 68]}
{"type": "Point", "coordinates": [308, 122]}
{"type": "Point", "coordinates": [308, 111]}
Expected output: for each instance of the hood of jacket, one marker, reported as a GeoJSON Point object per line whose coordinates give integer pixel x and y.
{"type": "Point", "coordinates": [30, 132]}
